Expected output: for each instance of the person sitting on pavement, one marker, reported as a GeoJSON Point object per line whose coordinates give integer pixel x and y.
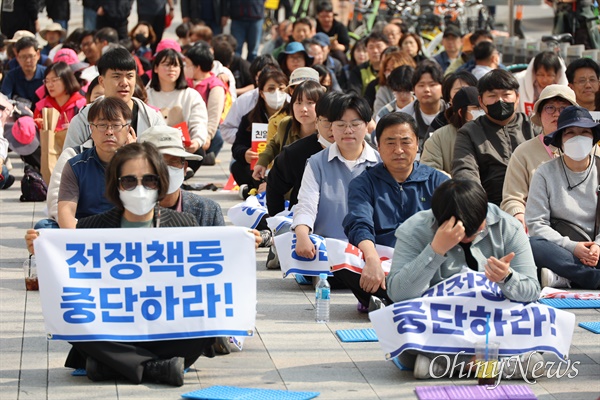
{"type": "Point", "coordinates": [363, 74]}
{"type": "Point", "coordinates": [399, 83]}
{"type": "Point", "coordinates": [582, 75]}
{"type": "Point", "coordinates": [452, 42]}
{"type": "Point", "coordinates": [81, 187]}
{"type": "Point", "coordinates": [528, 156]}
{"type": "Point", "coordinates": [461, 229]}
{"type": "Point", "coordinates": [382, 198]}
{"type": "Point", "coordinates": [117, 71]}
{"type": "Point", "coordinates": [484, 146]}
{"type": "Point", "coordinates": [487, 58]}
{"type": "Point", "coordinates": [136, 179]}
{"type": "Point", "coordinates": [546, 68]}
{"type": "Point", "coordinates": [427, 86]}
{"type": "Point", "coordinates": [22, 82]}
{"type": "Point", "coordinates": [322, 199]}
{"type": "Point", "coordinates": [335, 30]}
{"type": "Point", "coordinates": [465, 61]}
{"type": "Point", "coordinates": [438, 150]}
{"type": "Point", "coordinates": [378, 92]}
{"type": "Point", "coordinates": [564, 191]}
{"type": "Point", "coordinates": [411, 43]}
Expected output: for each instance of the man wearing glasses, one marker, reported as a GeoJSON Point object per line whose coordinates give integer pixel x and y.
{"type": "Point", "coordinates": [583, 75]}
{"type": "Point", "coordinates": [81, 190]}
{"type": "Point", "coordinates": [23, 81]}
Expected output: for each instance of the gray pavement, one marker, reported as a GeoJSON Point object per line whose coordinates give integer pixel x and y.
{"type": "Point", "coordinates": [289, 351]}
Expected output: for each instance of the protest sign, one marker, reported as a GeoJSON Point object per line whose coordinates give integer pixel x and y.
{"type": "Point", "coordinates": [453, 315]}
{"type": "Point", "coordinates": [248, 213]}
{"type": "Point", "coordinates": [293, 263]}
{"type": "Point", "coordinates": [147, 284]}
{"type": "Point", "coordinates": [343, 255]}
{"type": "Point", "coordinates": [259, 140]}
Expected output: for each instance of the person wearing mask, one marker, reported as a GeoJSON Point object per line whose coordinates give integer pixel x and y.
{"type": "Point", "coordinates": [566, 189]}
{"type": "Point", "coordinates": [117, 70]}
{"type": "Point", "coordinates": [271, 86]}
{"type": "Point", "coordinates": [546, 68]}
{"type": "Point", "coordinates": [155, 13]}
{"type": "Point", "coordinates": [363, 74]}
{"type": "Point", "coordinates": [582, 75]}
{"type": "Point", "coordinates": [484, 146]}
{"type": "Point", "coordinates": [381, 199]}
{"type": "Point", "coordinates": [137, 179]}
{"type": "Point", "coordinates": [438, 150]}
{"type": "Point", "coordinates": [528, 156]}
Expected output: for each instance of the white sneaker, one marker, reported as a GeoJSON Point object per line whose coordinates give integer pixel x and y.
{"type": "Point", "coordinates": [425, 365]}
{"type": "Point", "coordinates": [550, 279]}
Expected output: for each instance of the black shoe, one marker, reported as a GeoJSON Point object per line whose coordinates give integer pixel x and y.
{"type": "Point", "coordinates": [375, 303]}
{"type": "Point", "coordinates": [221, 345]}
{"type": "Point", "coordinates": [209, 159]}
{"type": "Point", "coordinates": [9, 182]}
{"type": "Point", "coordinates": [273, 259]}
{"type": "Point", "coordinates": [189, 173]}
{"type": "Point", "coordinates": [98, 372]}
{"type": "Point", "coordinates": [165, 371]}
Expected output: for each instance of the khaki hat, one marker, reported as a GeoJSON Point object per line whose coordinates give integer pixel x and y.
{"type": "Point", "coordinates": [550, 91]}
{"type": "Point", "coordinates": [20, 35]}
{"type": "Point", "coordinates": [302, 74]}
{"type": "Point", "coordinates": [53, 27]}
{"type": "Point", "coordinates": [168, 140]}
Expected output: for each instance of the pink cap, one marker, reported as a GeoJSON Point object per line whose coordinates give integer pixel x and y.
{"type": "Point", "coordinates": [168, 44]}
{"type": "Point", "coordinates": [24, 130]}
{"type": "Point", "coordinates": [69, 57]}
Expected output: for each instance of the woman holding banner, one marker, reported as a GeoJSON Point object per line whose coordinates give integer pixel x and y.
{"type": "Point", "coordinates": [136, 180]}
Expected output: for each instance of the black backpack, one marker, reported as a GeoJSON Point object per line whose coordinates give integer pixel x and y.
{"type": "Point", "coordinates": [33, 187]}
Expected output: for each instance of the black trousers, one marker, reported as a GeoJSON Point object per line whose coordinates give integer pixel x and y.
{"type": "Point", "coordinates": [243, 174]}
{"type": "Point", "coordinates": [158, 23]}
{"type": "Point", "coordinates": [352, 282]}
{"type": "Point", "coordinates": [128, 358]}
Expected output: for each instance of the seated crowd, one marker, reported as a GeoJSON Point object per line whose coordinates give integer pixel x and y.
{"type": "Point", "coordinates": [450, 160]}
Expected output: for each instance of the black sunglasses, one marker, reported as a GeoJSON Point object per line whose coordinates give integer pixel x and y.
{"type": "Point", "coordinates": [130, 182]}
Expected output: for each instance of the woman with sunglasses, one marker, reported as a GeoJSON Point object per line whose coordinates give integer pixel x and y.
{"type": "Point", "coordinates": [136, 180]}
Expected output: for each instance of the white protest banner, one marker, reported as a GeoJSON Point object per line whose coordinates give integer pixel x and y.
{"type": "Point", "coordinates": [147, 284]}
{"type": "Point", "coordinates": [343, 255]}
{"type": "Point", "coordinates": [280, 220]}
{"type": "Point", "coordinates": [292, 263]}
{"type": "Point", "coordinates": [453, 315]}
{"type": "Point", "coordinates": [247, 213]}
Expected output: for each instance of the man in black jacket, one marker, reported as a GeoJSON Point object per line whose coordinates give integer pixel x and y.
{"type": "Point", "coordinates": [210, 12]}
{"type": "Point", "coordinates": [114, 14]}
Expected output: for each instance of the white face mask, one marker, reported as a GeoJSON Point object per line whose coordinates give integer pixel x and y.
{"type": "Point", "coordinates": [578, 147]}
{"type": "Point", "coordinates": [139, 201]}
{"type": "Point", "coordinates": [323, 142]}
{"type": "Point", "coordinates": [275, 99]}
{"type": "Point", "coordinates": [176, 178]}
{"type": "Point", "coordinates": [476, 113]}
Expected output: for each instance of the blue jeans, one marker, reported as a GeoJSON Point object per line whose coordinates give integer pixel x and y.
{"type": "Point", "coordinates": [249, 32]}
{"type": "Point", "coordinates": [6, 174]}
{"type": "Point", "coordinates": [89, 19]}
{"type": "Point", "coordinates": [48, 223]}
{"type": "Point", "coordinates": [564, 263]}
{"type": "Point", "coordinates": [216, 143]}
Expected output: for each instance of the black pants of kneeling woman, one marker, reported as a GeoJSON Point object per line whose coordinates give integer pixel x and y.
{"type": "Point", "coordinates": [128, 358]}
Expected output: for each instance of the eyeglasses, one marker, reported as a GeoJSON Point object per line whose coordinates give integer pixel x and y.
{"type": "Point", "coordinates": [583, 82]}
{"type": "Point", "coordinates": [104, 127]}
{"type": "Point", "coordinates": [341, 126]}
{"type": "Point", "coordinates": [175, 163]}
{"type": "Point", "coordinates": [48, 81]}
{"type": "Point", "coordinates": [550, 109]}
{"type": "Point", "coordinates": [324, 123]}
{"type": "Point", "coordinates": [28, 57]}
{"type": "Point", "coordinates": [130, 182]}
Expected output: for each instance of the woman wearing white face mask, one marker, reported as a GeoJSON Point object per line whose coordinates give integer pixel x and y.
{"type": "Point", "coordinates": [136, 179]}
{"type": "Point", "coordinates": [528, 156]}
{"type": "Point", "coordinates": [271, 85]}
{"type": "Point", "coordinates": [438, 149]}
{"type": "Point", "coordinates": [564, 193]}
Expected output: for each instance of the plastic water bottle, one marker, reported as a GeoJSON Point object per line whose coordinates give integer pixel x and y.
{"type": "Point", "coordinates": [322, 299]}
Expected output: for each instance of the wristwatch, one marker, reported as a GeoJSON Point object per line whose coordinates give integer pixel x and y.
{"type": "Point", "coordinates": [510, 274]}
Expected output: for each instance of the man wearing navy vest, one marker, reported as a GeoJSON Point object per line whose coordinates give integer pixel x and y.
{"type": "Point", "coordinates": [382, 198]}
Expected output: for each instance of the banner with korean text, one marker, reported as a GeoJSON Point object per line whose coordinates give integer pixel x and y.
{"type": "Point", "coordinates": [453, 315]}
{"type": "Point", "coordinates": [147, 284]}
{"type": "Point", "coordinates": [291, 262]}
{"type": "Point", "coordinates": [343, 255]}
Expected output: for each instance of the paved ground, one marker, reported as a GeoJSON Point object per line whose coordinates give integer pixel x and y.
{"type": "Point", "coordinates": [289, 352]}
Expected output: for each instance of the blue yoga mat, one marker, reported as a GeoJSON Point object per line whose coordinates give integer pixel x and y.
{"type": "Point", "coordinates": [357, 335]}
{"type": "Point", "coordinates": [591, 326]}
{"type": "Point", "coordinates": [236, 393]}
{"type": "Point", "coordinates": [571, 303]}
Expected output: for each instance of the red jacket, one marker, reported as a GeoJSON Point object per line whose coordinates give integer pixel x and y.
{"type": "Point", "coordinates": [69, 109]}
